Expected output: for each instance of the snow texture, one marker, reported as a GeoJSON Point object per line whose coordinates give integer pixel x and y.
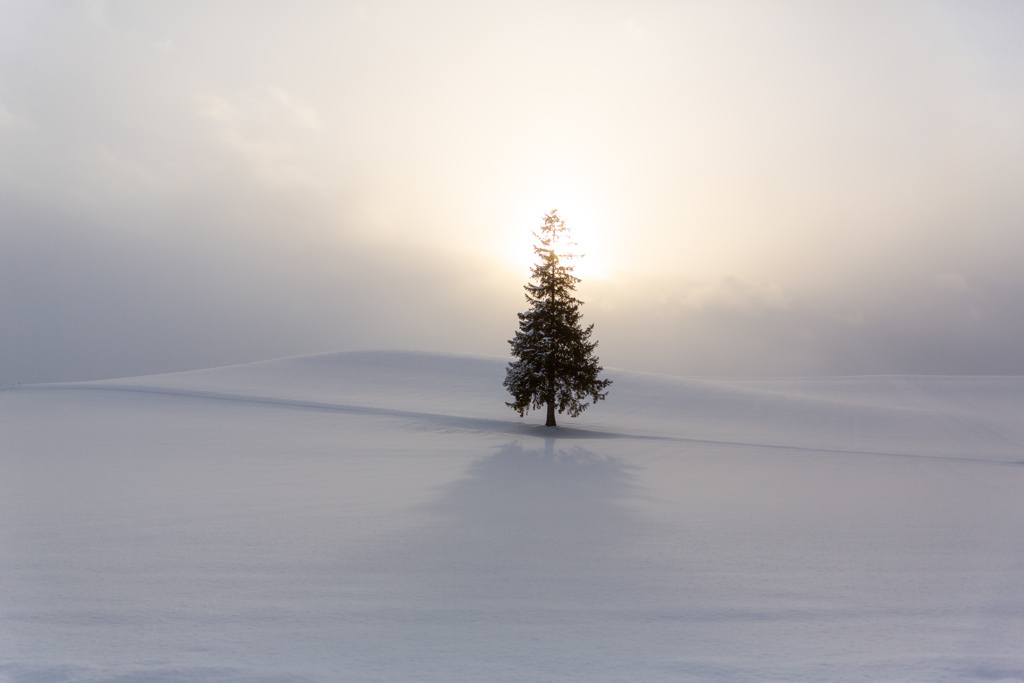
{"type": "Point", "coordinates": [384, 517]}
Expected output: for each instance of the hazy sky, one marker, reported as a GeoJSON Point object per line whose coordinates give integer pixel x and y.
{"type": "Point", "coordinates": [761, 188]}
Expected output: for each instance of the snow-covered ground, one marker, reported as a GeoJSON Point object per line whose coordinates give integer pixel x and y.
{"type": "Point", "coordinates": [384, 517]}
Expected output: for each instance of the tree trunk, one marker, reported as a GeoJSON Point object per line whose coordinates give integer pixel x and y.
{"type": "Point", "coordinates": [551, 415]}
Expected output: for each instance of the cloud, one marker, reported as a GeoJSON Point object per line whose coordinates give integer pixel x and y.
{"type": "Point", "coordinates": [896, 323]}
{"type": "Point", "coordinates": [10, 121]}
{"type": "Point", "coordinates": [82, 301]}
{"type": "Point", "coordinates": [731, 293]}
{"type": "Point", "coordinates": [829, 188]}
{"type": "Point", "coordinates": [243, 128]}
{"type": "Point", "coordinates": [217, 109]}
{"type": "Point", "coordinates": [299, 112]}
{"type": "Point", "coordinates": [116, 180]}
{"type": "Point", "coordinates": [952, 282]}
{"type": "Point", "coordinates": [633, 31]}
{"type": "Point", "coordinates": [96, 11]}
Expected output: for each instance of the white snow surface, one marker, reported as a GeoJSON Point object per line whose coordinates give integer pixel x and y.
{"type": "Point", "coordinates": [383, 516]}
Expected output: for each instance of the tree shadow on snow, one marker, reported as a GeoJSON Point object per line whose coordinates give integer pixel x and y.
{"type": "Point", "coordinates": [526, 542]}
{"type": "Point", "coordinates": [526, 521]}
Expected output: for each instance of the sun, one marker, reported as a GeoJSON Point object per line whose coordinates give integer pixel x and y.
{"type": "Point", "coordinates": [585, 230]}
{"type": "Point", "coordinates": [542, 180]}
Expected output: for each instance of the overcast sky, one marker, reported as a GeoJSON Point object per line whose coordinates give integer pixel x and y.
{"type": "Point", "coordinates": [775, 188]}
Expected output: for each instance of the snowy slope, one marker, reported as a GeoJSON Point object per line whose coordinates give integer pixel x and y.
{"type": "Point", "coordinates": [383, 516]}
{"type": "Point", "coordinates": [958, 415]}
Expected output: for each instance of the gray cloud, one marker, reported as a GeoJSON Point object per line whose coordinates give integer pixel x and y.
{"type": "Point", "coordinates": [785, 189]}
{"type": "Point", "coordinates": [84, 303]}
{"type": "Point", "coordinates": [900, 323]}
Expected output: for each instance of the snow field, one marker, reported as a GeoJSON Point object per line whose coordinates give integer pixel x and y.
{"type": "Point", "coordinates": [383, 516]}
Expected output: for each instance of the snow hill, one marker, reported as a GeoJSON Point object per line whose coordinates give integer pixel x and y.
{"type": "Point", "coordinates": [382, 516]}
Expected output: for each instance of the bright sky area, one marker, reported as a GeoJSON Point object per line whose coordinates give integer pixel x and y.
{"type": "Point", "coordinates": [760, 188]}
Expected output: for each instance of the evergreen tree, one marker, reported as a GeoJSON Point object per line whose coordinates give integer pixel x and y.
{"type": "Point", "coordinates": [556, 365]}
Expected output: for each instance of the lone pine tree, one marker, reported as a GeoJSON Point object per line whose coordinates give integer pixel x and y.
{"type": "Point", "coordinates": [556, 365]}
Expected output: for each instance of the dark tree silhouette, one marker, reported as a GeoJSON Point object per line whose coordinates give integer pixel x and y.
{"type": "Point", "coordinates": [556, 365]}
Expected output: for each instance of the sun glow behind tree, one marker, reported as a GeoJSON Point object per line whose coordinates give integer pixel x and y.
{"type": "Point", "coordinates": [584, 201]}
